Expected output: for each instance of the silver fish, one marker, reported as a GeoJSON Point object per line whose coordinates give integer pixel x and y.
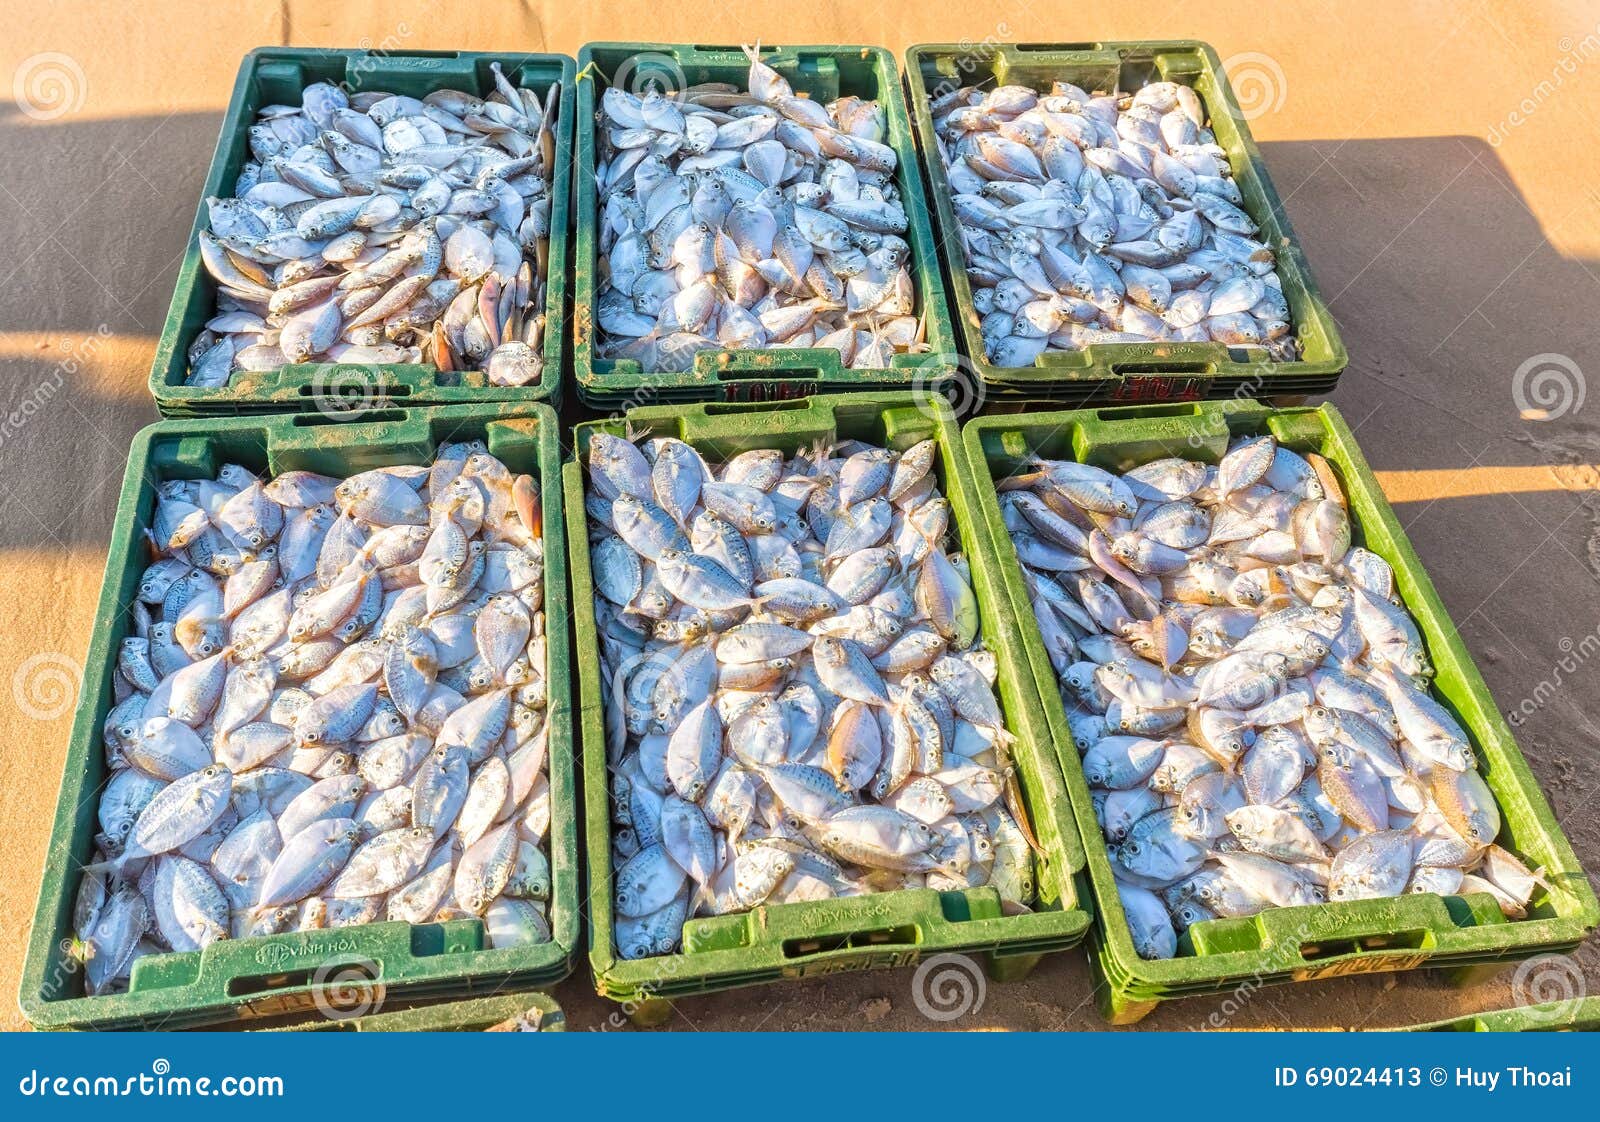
{"type": "Point", "coordinates": [1247, 692]}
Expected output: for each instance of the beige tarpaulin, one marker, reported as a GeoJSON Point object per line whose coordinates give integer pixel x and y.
{"type": "Point", "coordinates": [1437, 159]}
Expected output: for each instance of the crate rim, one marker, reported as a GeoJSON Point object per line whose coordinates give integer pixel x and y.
{"type": "Point", "coordinates": [1153, 979]}
{"type": "Point", "coordinates": [1097, 379]}
{"type": "Point", "coordinates": [672, 975]}
{"type": "Point", "coordinates": [177, 400]}
{"type": "Point", "coordinates": [819, 370]}
{"type": "Point", "coordinates": [58, 885]}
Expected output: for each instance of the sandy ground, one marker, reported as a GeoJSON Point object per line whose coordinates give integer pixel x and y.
{"type": "Point", "coordinates": [1434, 157]}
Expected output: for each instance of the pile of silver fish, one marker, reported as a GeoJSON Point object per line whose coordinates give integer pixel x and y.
{"type": "Point", "coordinates": [1104, 218]}
{"type": "Point", "coordinates": [1248, 692]}
{"type": "Point", "coordinates": [797, 704]}
{"type": "Point", "coordinates": [376, 228]}
{"type": "Point", "coordinates": [331, 712]}
{"type": "Point", "coordinates": [734, 219]}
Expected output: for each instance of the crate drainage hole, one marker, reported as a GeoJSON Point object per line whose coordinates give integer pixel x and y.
{"type": "Point", "coordinates": [1333, 948]}
{"type": "Point", "coordinates": [355, 393]}
{"type": "Point", "coordinates": [1168, 368]}
{"type": "Point", "coordinates": [719, 408]}
{"type": "Point", "coordinates": [855, 940]}
{"type": "Point", "coordinates": [349, 974]}
{"type": "Point", "coordinates": [311, 420]}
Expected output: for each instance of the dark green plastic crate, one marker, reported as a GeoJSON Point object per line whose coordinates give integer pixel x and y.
{"type": "Point", "coordinates": [1155, 371]}
{"type": "Point", "coordinates": [272, 976]}
{"type": "Point", "coordinates": [476, 1015]}
{"type": "Point", "coordinates": [859, 933]}
{"type": "Point", "coordinates": [1552, 1016]}
{"type": "Point", "coordinates": [277, 75]}
{"type": "Point", "coordinates": [1284, 944]}
{"type": "Point", "coordinates": [822, 73]}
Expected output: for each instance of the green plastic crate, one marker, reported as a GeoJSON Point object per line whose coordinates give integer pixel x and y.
{"type": "Point", "coordinates": [1284, 944]}
{"type": "Point", "coordinates": [274, 975]}
{"type": "Point", "coordinates": [822, 73]}
{"type": "Point", "coordinates": [1551, 1016]}
{"type": "Point", "coordinates": [829, 936]}
{"type": "Point", "coordinates": [477, 1015]}
{"type": "Point", "coordinates": [272, 75]}
{"type": "Point", "coordinates": [1128, 371]}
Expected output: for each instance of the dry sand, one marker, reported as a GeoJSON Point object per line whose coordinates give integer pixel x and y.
{"type": "Point", "coordinates": [1454, 242]}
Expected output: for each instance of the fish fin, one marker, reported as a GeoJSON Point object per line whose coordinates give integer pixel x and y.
{"type": "Point", "coordinates": [114, 865]}
{"type": "Point", "coordinates": [1019, 812]}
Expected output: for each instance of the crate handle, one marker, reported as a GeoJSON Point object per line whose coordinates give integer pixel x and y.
{"type": "Point", "coordinates": [803, 365]}
{"type": "Point", "coordinates": [1246, 409]}
{"type": "Point", "coordinates": [732, 49]}
{"type": "Point", "coordinates": [900, 920]}
{"type": "Point", "coordinates": [1196, 430]}
{"type": "Point", "coordinates": [736, 420]}
{"type": "Point", "coordinates": [1124, 369]}
{"type": "Point", "coordinates": [1318, 950]}
{"type": "Point", "coordinates": [734, 408]}
{"type": "Point", "coordinates": [337, 418]}
{"type": "Point", "coordinates": [410, 55]}
{"type": "Point", "coordinates": [363, 974]}
{"type": "Point", "coordinates": [1323, 931]}
{"type": "Point", "coordinates": [436, 68]}
{"type": "Point", "coordinates": [316, 440]}
{"type": "Point", "coordinates": [365, 383]}
{"type": "Point", "coordinates": [1162, 358]}
{"type": "Point", "coordinates": [310, 961]}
